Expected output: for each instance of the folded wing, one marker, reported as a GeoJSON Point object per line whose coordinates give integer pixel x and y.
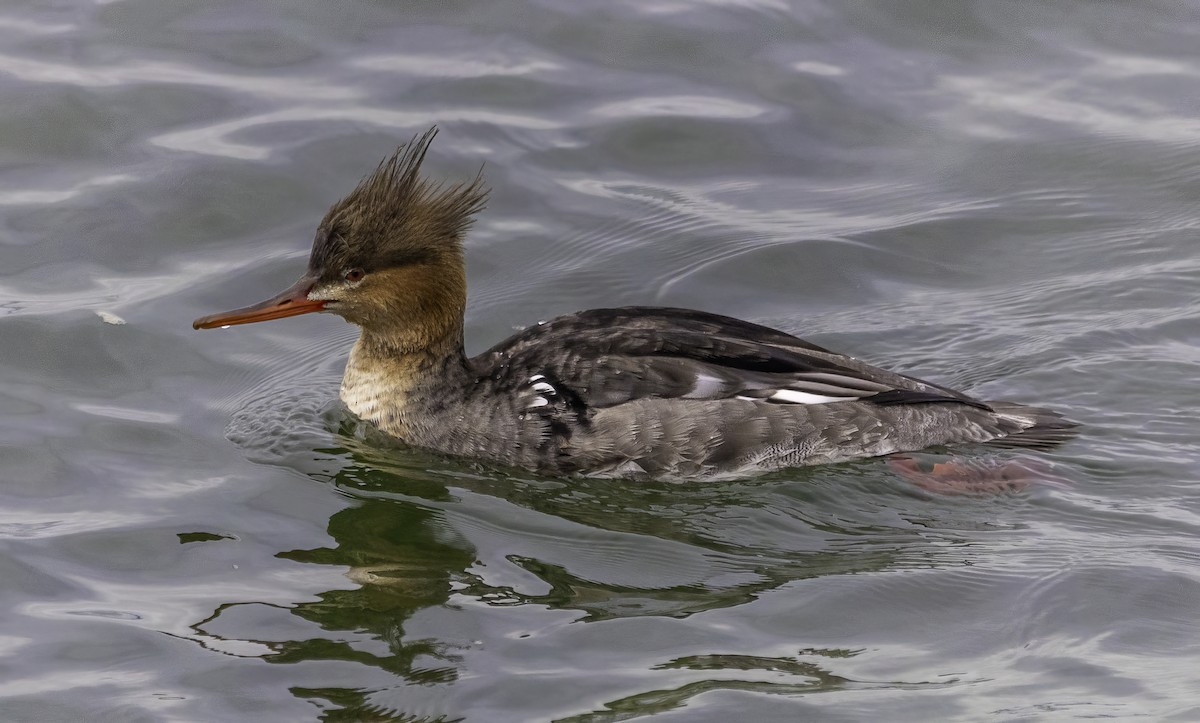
{"type": "Point", "coordinates": [607, 357]}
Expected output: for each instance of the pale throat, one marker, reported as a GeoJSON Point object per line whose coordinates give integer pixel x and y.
{"type": "Point", "coordinates": [376, 387]}
{"type": "Point", "coordinates": [380, 380]}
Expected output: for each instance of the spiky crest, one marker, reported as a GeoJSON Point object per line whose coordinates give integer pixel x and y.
{"type": "Point", "coordinates": [395, 217]}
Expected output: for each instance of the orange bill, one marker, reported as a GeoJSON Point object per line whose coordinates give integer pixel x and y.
{"type": "Point", "coordinates": [292, 302]}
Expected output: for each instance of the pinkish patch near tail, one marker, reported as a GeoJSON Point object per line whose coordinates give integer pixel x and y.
{"type": "Point", "coordinates": [974, 475]}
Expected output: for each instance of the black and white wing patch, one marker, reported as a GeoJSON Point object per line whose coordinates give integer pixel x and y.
{"type": "Point", "coordinates": [809, 388]}
{"type": "Point", "coordinates": [829, 387]}
{"type": "Point", "coordinates": [538, 392]}
{"type": "Point", "coordinates": [546, 396]}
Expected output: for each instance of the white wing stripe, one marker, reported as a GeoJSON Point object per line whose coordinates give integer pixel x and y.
{"type": "Point", "coordinates": [795, 397]}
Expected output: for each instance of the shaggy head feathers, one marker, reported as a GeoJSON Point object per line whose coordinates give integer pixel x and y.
{"type": "Point", "coordinates": [394, 217]}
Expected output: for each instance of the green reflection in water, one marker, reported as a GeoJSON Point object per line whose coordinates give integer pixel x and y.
{"type": "Point", "coordinates": [403, 564]}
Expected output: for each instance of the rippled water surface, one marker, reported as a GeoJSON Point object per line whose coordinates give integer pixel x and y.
{"type": "Point", "coordinates": [1000, 196]}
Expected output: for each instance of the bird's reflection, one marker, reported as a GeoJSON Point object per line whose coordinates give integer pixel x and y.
{"type": "Point", "coordinates": [412, 541]}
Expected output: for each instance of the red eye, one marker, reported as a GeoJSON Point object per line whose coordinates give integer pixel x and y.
{"type": "Point", "coordinates": [354, 275]}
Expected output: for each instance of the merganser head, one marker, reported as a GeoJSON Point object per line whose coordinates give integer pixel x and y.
{"type": "Point", "coordinates": [387, 257]}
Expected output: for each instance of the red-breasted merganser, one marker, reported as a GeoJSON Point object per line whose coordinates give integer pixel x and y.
{"type": "Point", "coordinates": [630, 392]}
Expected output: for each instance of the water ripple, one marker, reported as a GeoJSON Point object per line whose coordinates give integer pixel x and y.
{"type": "Point", "coordinates": [136, 74]}
{"type": "Point", "coordinates": [995, 196]}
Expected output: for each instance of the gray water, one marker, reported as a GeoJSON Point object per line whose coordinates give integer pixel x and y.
{"type": "Point", "coordinates": [999, 196]}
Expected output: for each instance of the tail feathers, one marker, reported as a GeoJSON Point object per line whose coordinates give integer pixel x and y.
{"type": "Point", "coordinates": [1037, 428]}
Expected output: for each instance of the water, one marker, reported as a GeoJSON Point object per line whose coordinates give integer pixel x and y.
{"type": "Point", "coordinates": [996, 195]}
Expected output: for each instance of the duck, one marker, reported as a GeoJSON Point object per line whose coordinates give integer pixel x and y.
{"type": "Point", "coordinates": [632, 392]}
